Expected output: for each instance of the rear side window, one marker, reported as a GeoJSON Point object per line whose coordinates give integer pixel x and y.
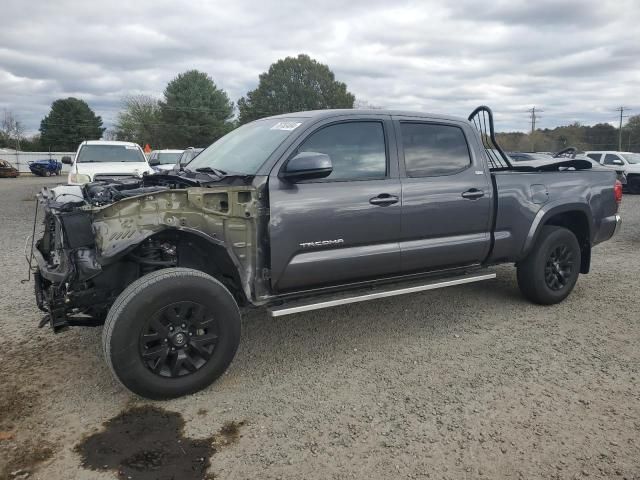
{"type": "Point", "coordinates": [594, 156]}
{"type": "Point", "coordinates": [357, 150]}
{"type": "Point", "coordinates": [609, 159]}
{"type": "Point", "coordinates": [432, 150]}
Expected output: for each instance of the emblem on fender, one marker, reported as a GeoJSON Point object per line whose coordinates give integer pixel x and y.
{"type": "Point", "coordinates": [322, 243]}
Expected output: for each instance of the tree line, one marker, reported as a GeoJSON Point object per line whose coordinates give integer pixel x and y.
{"type": "Point", "coordinates": [601, 136]}
{"type": "Point", "coordinates": [194, 111]}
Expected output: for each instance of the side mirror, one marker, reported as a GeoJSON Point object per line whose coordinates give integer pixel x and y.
{"type": "Point", "coordinates": [617, 161]}
{"type": "Point", "coordinates": [66, 160]}
{"type": "Point", "coordinates": [154, 161]}
{"type": "Point", "coordinates": [307, 166]}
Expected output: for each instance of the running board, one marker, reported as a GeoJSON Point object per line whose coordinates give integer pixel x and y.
{"type": "Point", "coordinates": [434, 284]}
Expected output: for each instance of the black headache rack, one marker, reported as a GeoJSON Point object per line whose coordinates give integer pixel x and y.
{"type": "Point", "coordinates": [482, 119]}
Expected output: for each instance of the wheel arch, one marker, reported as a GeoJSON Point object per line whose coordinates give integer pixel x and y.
{"type": "Point", "coordinates": [576, 217]}
{"type": "Point", "coordinates": [198, 251]}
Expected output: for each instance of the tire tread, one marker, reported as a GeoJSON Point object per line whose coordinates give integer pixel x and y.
{"type": "Point", "coordinates": [130, 292]}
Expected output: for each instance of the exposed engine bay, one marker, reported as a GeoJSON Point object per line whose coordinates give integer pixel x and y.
{"type": "Point", "coordinates": [100, 237]}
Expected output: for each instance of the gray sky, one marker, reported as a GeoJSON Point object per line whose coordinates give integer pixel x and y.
{"type": "Point", "coordinates": [576, 60]}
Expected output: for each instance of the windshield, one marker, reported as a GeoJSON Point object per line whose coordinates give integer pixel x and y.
{"type": "Point", "coordinates": [632, 157]}
{"type": "Point", "coordinates": [110, 153]}
{"type": "Point", "coordinates": [166, 158]}
{"type": "Point", "coordinates": [246, 148]}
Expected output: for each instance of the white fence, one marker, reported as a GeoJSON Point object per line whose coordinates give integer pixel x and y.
{"type": "Point", "coordinates": [21, 160]}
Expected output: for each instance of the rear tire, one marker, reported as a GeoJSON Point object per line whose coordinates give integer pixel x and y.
{"type": "Point", "coordinates": [171, 333]}
{"type": "Point", "coordinates": [550, 271]}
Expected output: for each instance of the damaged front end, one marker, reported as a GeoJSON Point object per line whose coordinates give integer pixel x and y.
{"type": "Point", "coordinates": [101, 237]}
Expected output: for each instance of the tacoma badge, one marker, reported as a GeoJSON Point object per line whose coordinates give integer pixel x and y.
{"type": "Point", "coordinates": [322, 243]}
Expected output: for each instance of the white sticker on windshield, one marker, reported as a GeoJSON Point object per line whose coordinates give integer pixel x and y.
{"type": "Point", "coordinates": [129, 147]}
{"type": "Point", "coordinates": [286, 126]}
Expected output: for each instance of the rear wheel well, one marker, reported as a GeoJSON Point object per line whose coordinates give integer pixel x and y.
{"type": "Point", "coordinates": [578, 224]}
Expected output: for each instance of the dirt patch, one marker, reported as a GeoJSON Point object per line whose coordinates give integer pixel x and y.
{"type": "Point", "coordinates": [148, 443]}
{"type": "Point", "coordinates": [228, 434]}
{"type": "Point", "coordinates": [20, 459]}
{"type": "Point", "coordinates": [17, 404]}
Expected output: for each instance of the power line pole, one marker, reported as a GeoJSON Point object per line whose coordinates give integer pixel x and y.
{"type": "Point", "coordinates": [533, 115]}
{"type": "Point", "coordinates": [621, 109]}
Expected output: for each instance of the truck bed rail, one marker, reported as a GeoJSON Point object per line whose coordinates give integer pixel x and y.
{"type": "Point", "coordinates": [482, 119]}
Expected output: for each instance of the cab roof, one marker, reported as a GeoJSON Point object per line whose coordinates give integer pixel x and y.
{"type": "Point", "coordinates": [109, 142]}
{"type": "Point", "coordinates": [321, 114]}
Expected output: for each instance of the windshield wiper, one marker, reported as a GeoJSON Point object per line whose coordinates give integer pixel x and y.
{"type": "Point", "coordinates": [215, 171]}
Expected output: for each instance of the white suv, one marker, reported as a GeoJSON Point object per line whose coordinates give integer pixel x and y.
{"type": "Point", "coordinates": [626, 162]}
{"type": "Point", "coordinates": [98, 160]}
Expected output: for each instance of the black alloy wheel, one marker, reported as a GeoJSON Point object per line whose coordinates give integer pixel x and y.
{"type": "Point", "coordinates": [178, 339]}
{"type": "Point", "coordinates": [559, 267]}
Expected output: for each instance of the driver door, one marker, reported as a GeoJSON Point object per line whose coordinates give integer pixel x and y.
{"type": "Point", "coordinates": [344, 227]}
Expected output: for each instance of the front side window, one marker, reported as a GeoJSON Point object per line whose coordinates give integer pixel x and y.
{"type": "Point", "coordinates": [357, 150]}
{"type": "Point", "coordinates": [610, 158]}
{"type": "Point", "coordinates": [433, 150]}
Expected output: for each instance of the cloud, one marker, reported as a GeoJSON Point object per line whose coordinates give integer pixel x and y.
{"type": "Point", "coordinates": [575, 59]}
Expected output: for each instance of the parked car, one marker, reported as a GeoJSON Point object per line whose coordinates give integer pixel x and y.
{"type": "Point", "coordinates": [162, 160]}
{"type": "Point", "coordinates": [304, 211]}
{"type": "Point", "coordinates": [7, 170]}
{"type": "Point", "coordinates": [45, 168]}
{"type": "Point", "coordinates": [627, 163]}
{"type": "Point", "coordinates": [102, 160]}
{"type": "Point", "coordinates": [188, 155]}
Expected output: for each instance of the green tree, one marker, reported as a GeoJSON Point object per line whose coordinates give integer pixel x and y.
{"type": "Point", "coordinates": [194, 112]}
{"type": "Point", "coordinates": [69, 123]}
{"type": "Point", "coordinates": [602, 136]}
{"type": "Point", "coordinates": [631, 134]}
{"type": "Point", "coordinates": [139, 121]}
{"type": "Point", "coordinates": [291, 85]}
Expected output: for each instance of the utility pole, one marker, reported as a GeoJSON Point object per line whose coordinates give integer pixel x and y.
{"type": "Point", "coordinates": [621, 109]}
{"type": "Point", "coordinates": [533, 115]}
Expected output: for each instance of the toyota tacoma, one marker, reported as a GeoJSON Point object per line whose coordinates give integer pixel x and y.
{"type": "Point", "coordinates": [303, 211]}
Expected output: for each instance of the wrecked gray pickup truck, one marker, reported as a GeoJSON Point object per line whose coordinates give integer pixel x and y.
{"type": "Point", "coordinates": [305, 211]}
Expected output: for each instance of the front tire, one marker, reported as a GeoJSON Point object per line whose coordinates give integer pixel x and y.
{"type": "Point", "coordinates": [171, 333]}
{"type": "Point", "coordinates": [550, 271]}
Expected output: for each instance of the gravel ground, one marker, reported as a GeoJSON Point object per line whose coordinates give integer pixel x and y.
{"type": "Point", "coordinates": [466, 382]}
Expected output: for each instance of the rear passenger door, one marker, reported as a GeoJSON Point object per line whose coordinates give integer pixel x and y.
{"type": "Point", "coordinates": [344, 227]}
{"type": "Point", "coordinates": [446, 196]}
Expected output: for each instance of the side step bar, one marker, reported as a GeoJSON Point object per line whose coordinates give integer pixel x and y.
{"type": "Point", "coordinates": [432, 285]}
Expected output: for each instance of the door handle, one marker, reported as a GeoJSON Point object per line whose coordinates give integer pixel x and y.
{"type": "Point", "coordinates": [383, 200]}
{"type": "Point", "coordinates": [473, 194]}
